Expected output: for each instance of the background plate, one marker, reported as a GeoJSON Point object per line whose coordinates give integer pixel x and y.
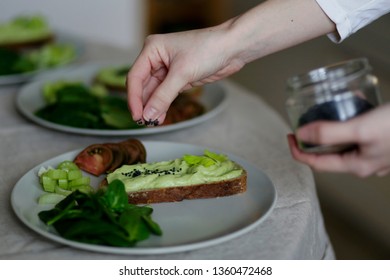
{"type": "Point", "coordinates": [186, 225]}
{"type": "Point", "coordinates": [25, 77]}
{"type": "Point", "coordinates": [29, 99]}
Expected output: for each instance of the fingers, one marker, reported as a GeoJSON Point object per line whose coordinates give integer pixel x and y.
{"type": "Point", "coordinates": [328, 133]}
{"type": "Point", "coordinates": [137, 77]}
{"type": "Point", "coordinates": [158, 103]}
{"type": "Point", "coordinates": [322, 163]}
{"type": "Point", "coordinates": [355, 162]}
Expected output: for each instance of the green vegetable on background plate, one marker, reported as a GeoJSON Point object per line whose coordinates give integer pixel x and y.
{"type": "Point", "coordinates": [18, 54]}
{"type": "Point", "coordinates": [72, 103]}
{"type": "Point", "coordinates": [12, 62]}
{"type": "Point", "coordinates": [48, 56]}
{"type": "Point", "coordinates": [23, 29]}
{"type": "Point", "coordinates": [51, 55]}
{"type": "Point", "coordinates": [104, 217]}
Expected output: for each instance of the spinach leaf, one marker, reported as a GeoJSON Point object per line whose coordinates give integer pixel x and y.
{"type": "Point", "coordinates": [74, 104]}
{"type": "Point", "coordinates": [103, 217]}
{"type": "Point", "coordinates": [115, 196]}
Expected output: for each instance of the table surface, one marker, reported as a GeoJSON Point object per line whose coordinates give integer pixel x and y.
{"type": "Point", "coordinates": [247, 127]}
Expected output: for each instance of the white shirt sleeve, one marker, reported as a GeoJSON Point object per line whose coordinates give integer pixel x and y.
{"type": "Point", "coordinates": [351, 15]}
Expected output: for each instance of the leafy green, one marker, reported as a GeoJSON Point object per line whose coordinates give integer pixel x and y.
{"type": "Point", "coordinates": [75, 104]}
{"type": "Point", "coordinates": [12, 62]}
{"type": "Point", "coordinates": [208, 159]}
{"type": "Point", "coordinates": [51, 55]}
{"type": "Point", "coordinates": [103, 218]}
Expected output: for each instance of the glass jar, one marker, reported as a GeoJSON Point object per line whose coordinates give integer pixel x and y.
{"type": "Point", "coordinates": [336, 92]}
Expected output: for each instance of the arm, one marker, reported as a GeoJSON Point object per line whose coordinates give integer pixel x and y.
{"type": "Point", "coordinates": [171, 63]}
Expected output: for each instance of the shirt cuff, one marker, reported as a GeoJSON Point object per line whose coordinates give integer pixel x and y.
{"type": "Point", "coordinates": [340, 18]}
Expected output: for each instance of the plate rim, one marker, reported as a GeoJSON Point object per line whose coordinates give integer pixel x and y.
{"type": "Point", "coordinates": [147, 250]}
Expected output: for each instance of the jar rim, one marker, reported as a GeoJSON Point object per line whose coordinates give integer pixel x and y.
{"type": "Point", "coordinates": [347, 70]}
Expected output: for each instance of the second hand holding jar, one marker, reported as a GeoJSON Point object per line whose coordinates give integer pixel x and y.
{"type": "Point", "coordinates": [336, 92]}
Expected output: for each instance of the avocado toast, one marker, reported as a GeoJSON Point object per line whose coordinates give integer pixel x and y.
{"type": "Point", "coordinates": [190, 177]}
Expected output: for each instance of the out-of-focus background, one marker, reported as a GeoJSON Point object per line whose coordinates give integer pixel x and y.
{"type": "Point", "coordinates": [356, 210]}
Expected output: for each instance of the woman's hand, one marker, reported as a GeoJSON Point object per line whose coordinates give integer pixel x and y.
{"type": "Point", "coordinates": [370, 131]}
{"type": "Point", "coordinates": [171, 63]}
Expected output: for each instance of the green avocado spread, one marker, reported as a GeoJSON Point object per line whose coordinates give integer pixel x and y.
{"type": "Point", "coordinates": [185, 171]}
{"type": "Point", "coordinates": [24, 29]}
{"type": "Point", "coordinates": [113, 76]}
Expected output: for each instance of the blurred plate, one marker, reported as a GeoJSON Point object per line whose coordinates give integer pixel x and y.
{"type": "Point", "coordinates": [186, 225]}
{"type": "Point", "coordinates": [30, 99]}
{"type": "Point", "coordinates": [25, 77]}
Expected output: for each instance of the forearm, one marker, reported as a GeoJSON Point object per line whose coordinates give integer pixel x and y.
{"type": "Point", "coordinates": [275, 25]}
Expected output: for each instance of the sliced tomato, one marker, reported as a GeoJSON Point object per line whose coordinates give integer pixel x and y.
{"type": "Point", "coordinates": [95, 159]}
{"type": "Point", "coordinates": [135, 151]}
{"type": "Point", "coordinates": [118, 156]}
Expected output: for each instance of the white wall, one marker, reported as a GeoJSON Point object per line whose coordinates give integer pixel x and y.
{"type": "Point", "coordinates": [117, 22]}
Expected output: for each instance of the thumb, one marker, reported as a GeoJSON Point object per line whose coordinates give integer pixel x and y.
{"type": "Point", "coordinates": [328, 133]}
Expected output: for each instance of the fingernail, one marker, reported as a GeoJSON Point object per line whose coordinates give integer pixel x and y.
{"type": "Point", "coordinates": [140, 122]}
{"type": "Point", "coordinates": [151, 114]}
{"type": "Point", "coordinates": [152, 122]}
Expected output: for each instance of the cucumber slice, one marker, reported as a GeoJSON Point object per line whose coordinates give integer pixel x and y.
{"type": "Point", "coordinates": [56, 174]}
{"type": "Point", "coordinates": [74, 174]}
{"type": "Point", "coordinates": [79, 182]}
{"type": "Point", "coordinates": [50, 198]}
{"type": "Point", "coordinates": [63, 180]}
{"type": "Point", "coordinates": [63, 183]}
{"type": "Point", "coordinates": [62, 191]}
{"type": "Point", "coordinates": [68, 165]}
{"type": "Point", "coordinates": [48, 183]}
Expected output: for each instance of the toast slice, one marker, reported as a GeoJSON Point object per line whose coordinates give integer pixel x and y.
{"type": "Point", "coordinates": [25, 32]}
{"type": "Point", "coordinates": [207, 190]}
{"type": "Point", "coordinates": [177, 180]}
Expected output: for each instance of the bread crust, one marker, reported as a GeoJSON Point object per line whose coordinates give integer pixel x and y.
{"type": "Point", "coordinates": [174, 194]}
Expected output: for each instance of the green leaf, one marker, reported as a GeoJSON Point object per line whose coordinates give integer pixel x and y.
{"type": "Point", "coordinates": [132, 222]}
{"type": "Point", "coordinates": [153, 226]}
{"type": "Point", "coordinates": [102, 217]}
{"type": "Point", "coordinates": [116, 196]}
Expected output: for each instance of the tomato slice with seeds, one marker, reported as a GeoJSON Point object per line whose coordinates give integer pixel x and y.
{"type": "Point", "coordinates": [95, 159]}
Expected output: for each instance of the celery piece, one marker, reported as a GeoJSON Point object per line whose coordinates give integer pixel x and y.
{"type": "Point", "coordinates": [74, 174]}
{"type": "Point", "coordinates": [50, 198]}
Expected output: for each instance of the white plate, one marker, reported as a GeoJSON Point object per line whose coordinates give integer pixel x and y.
{"type": "Point", "coordinates": [186, 225]}
{"type": "Point", "coordinates": [29, 99]}
{"type": "Point", "coordinates": [25, 77]}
